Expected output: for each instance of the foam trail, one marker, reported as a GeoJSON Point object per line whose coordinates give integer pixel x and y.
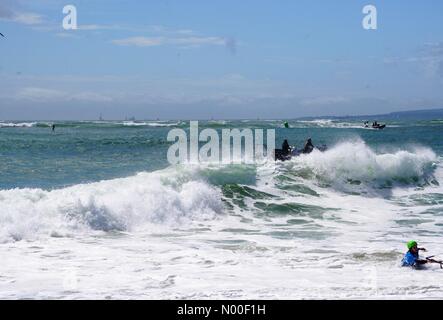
{"type": "Point", "coordinates": [328, 123]}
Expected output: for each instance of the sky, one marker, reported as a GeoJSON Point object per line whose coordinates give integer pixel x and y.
{"type": "Point", "coordinates": [220, 59]}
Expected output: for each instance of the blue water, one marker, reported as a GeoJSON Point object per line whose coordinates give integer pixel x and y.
{"type": "Point", "coordinates": [329, 224]}
{"type": "Point", "coordinates": [82, 152]}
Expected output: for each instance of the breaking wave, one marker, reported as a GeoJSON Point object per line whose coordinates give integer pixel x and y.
{"type": "Point", "coordinates": [17, 124]}
{"type": "Point", "coordinates": [178, 195]}
{"type": "Point", "coordinates": [354, 162]}
{"type": "Point", "coordinates": [126, 204]}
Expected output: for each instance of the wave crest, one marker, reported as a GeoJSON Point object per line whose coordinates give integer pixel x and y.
{"type": "Point", "coordinates": [123, 204]}
{"type": "Point", "coordinates": [17, 125]}
{"type": "Point", "coordinates": [355, 162]}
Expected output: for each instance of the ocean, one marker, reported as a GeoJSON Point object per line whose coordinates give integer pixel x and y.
{"type": "Point", "coordinates": [95, 211]}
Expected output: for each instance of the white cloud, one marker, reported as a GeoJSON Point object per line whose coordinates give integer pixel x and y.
{"type": "Point", "coordinates": [27, 18]}
{"type": "Point", "coordinates": [140, 42]}
{"type": "Point", "coordinates": [91, 97]}
{"type": "Point", "coordinates": [185, 31]}
{"type": "Point", "coordinates": [196, 41]}
{"type": "Point", "coordinates": [164, 30]}
{"type": "Point", "coordinates": [433, 52]}
{"type": "Point", "coordinates": [7, 13]}
{"type": "Point", "coordinates": [155, 29]}
{"type": "Point", "coordinates": [51, 95]}
{"type": "Point", "coordinates": [66, 35]}
{"type": "Point", "coordinates": [181, 41]}
{"type": "Point", "coordinates": [95, 27]}
{"type": "Point", "coordinates": [433, 49]}
{"type": "Point", "coordinates": [91, 27]}
{"type": "Point", "coordinates": [39, 94]}
{"type": "Point", "coordinates": [316, 101]}
{"type": "Point", "coordinates": [429, 59]}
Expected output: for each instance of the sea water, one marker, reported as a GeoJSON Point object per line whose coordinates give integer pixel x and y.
{"type": "Point", "coordinates": [94, 210]}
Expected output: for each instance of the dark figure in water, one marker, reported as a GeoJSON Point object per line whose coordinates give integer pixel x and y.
{"type": "Point", "coordinates": [53, 127]}
{"type": "Point", "coordinates": [286, 149]}
{"type": "Point", "coordinates": [308, 146]}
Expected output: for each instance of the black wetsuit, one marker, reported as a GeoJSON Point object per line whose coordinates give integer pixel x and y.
{"type": "Point", "coordinates": [308, 147]}
{"type": "Point", "coordinates": [285, 148]}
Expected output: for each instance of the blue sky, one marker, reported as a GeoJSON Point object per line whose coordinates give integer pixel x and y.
{"type": "Point", "coordinates": [221, 59]}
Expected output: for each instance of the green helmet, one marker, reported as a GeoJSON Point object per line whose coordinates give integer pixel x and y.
{"type": "Point", "coordinates": [411, 244]}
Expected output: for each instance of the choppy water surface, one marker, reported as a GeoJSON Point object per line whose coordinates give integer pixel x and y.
{"type": "Point", "coordinates": [94, 210]}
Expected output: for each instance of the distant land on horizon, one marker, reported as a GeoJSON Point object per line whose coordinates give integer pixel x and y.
{"type": "Point", "coordinates": [428, 114]}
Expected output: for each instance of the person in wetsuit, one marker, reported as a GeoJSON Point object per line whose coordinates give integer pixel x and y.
{"type": "Point", "coordinates": [411, 258]}
{"type": "Point", "coordinates": [286, 149]}
{"type": "Point", "coordinates": [308, 146]}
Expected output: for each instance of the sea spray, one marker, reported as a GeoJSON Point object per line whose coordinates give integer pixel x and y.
{"type": "Point", "coordinates": [195, 192]}
{"type": "Point", "coordinates": [126, 204]}
{"type": "Point", "coordinates": [355, 162]}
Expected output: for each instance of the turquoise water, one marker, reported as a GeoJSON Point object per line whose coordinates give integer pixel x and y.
{"type": "Point", "coordinates": [32, 156]}
{"type": "Point", "coordinates": [94, 210]}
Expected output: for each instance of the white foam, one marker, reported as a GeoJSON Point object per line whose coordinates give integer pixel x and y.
{"type": "Point", "coordinates": [17, 124]}
{"type": "Point", "coordinates": [150, 124]}
{"type": "Point", "coordinates": [123, 204]}
{"type": "Point", "coordinates": [163, 257]}
{"type": "Point", "coordinates": [320, 122]}
{"type": "Point", "coordinates": [354, 160]}
{"type": "Point", "coordinates": [328, 123]}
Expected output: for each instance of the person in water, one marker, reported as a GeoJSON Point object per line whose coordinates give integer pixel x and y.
{"type": "Point", "coordinates": [286, 149]}
{"type": "Point", "coordinates": [411, 258]}
{"type": "Point", "coordinates": [309, 147]}
{"type": "Point", "coordinates": [53, 127]}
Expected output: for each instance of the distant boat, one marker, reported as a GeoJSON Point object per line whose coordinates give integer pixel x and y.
{"type": "Point", "coordinates": [375, 125]}
{"type": "Point", "coordinates": [379, 126]}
